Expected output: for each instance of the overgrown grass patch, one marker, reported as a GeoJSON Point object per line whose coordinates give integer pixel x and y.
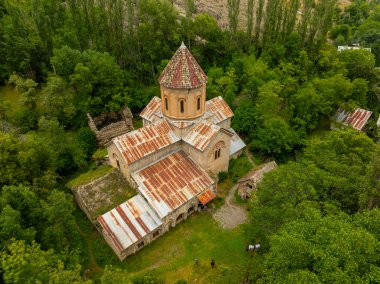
{"type": "Point", "coordinates": [89, 176]}
{"type": "Point", "coordinates": [239, 167]}
{"type": "Point", "coordinates": [100, 153]}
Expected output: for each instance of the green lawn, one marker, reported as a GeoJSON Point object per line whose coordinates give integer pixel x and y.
{"type": "Point", "coordinates": [172, 256]}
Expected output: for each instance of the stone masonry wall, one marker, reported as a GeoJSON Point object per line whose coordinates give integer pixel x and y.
{"type": "Point", "coordinates": [110, 131]}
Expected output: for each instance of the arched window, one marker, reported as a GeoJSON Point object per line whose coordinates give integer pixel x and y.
{"type": "Point", "coordinates": [166, 103]}
{"type": "Point", "coordinates": [217, 149]}
{"type": "Point", "coordinates": [182, 106]}
{"type": "Point", "coordinates": [198, 103]}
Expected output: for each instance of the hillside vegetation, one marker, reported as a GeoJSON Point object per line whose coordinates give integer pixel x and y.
{"type": "Point", "coordinates": [316, 216]}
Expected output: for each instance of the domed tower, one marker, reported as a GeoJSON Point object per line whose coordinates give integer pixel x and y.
{"type": "Point", "coordinates": [183, 87]}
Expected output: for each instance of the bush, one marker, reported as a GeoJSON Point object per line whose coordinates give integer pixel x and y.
{"type": "Point", "coordinates": [222, 176]}
{"type": "Point", "coordinates": [103, 253]}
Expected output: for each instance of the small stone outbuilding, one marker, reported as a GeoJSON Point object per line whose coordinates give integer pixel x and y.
{"type": "Point", "coordinates": [110, 125]}
{"type": "Point", "coordinates": [249, 183]}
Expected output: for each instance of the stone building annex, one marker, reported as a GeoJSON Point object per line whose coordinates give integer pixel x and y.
{"type": "Point", "coordinates": [173, 161]}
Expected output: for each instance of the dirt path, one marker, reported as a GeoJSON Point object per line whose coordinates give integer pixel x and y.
{"type": "Point", "coordinates": [230, 215]}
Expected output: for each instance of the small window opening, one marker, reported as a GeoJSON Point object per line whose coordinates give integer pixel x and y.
{"type": "Point", "coordinates": [182, 106]}
{"type": "Point", "coordinates": [198, 103]}
{"type": "Point", "coordinates": [156, 234]}
{"type": "Point", "coordinates": [166, 104]}
{"type": "Point", "coordinates": [180, 217]}
{"type": "Point", "coordinates": [140, 244]}
{"type": "Point", "coordinates": [191, 209]}
{"type": "Point", "coordinates": [217, 154]}
{"type": "Point", "coordinates": [118, 164]}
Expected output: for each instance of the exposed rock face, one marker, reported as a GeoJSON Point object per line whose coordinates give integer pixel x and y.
{"type": "Point", "coordinates": [219, 10]}
{"type": "Point", "coordinates": [110, 125]}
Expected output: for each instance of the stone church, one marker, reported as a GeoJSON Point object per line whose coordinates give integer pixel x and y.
{"type": "Point", "coordinates": [173, 161]}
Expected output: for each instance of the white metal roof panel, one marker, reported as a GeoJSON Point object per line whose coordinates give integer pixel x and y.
{"type": "Point", "coordinates": [129, 222]}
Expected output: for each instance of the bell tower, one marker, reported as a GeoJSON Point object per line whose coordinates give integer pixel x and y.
{"type": "Point", "coordinates": [183, 87]}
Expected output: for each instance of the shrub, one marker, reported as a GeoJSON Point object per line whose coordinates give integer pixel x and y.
{"type": "Point", "coordinates": [222, 176]}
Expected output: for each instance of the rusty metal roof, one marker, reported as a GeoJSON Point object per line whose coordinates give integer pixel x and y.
{"type": "Point", "coordinates": [257, 175]}
{"type": "Point", "coordinates": [144, 141]}
{"type": "Point", "coordinates": [201, 134]}
{"type": "Point", "coordinates": [129, 222]}
{"type": "Point", "coordinates": [357, 119]}
{"type": "Point", "coordinates": [151, 108]}
{"type": "Point", "coordinates": [219, 108]}
{"type": "Point", "coordinates": [171, 182]}
{"type": "Point", "coordinates": [206, 196]}
{"type": "Point", "coordinates": [183, 71]}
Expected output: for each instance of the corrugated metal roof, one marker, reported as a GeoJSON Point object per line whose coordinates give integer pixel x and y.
{"type": "Point", "coordinates": [200, 135]}
{"type": "Point", "coordinates": [183, 71]}
{"type": "Point", "coordinates": [356, 119]}
{"type": "Point", "coordinates": [206, 196]}
{"type": "Point", "coordinates": [129, 222]}
{"type": "Point", "coordinates": [258, 174]}
{"type": "Point", "coordinates": [151, 108]}
{"type": "Point", "coordinates": [144, 141]}
{"type": "Point", "coordinates": [219, 108]}
{"type": "Point", "coordinates": [236, 143]}
{"type": "Point", "coordinates": [171, 182]}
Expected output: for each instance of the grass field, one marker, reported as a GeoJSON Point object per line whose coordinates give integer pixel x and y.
{"type": "Point", "coordinates": [171, 257]}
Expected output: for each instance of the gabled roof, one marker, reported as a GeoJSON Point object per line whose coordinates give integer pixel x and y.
{"type": "Point", "coordinates": [182, 71]}
{"type": "Point", "coordinates": [357, 119]}
{"type": "Point", "coordinates": [201, 134]}
{"type": "Point", "coordinates": [129, 222]}
{"type": "Point", "coordinates": [219, 108]}
{"type": "Point", "coordinates": [171, 182]}
{"type": "Point", "coordinates": [144, 141]}
{"type": "Point", "coordinates": [151, 108]}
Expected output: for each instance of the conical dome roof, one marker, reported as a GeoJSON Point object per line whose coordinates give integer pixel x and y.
{"type": "Point", "coordinates": [183, 71]}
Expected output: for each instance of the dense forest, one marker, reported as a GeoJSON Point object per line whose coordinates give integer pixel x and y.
{"type": "Point", "coordinates": [316, 217]}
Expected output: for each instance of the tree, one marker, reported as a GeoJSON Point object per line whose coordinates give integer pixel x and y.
{"type": "Point", "coordinates": [58, 101]}
{"type": "Point", "coordinates": [275, 138]}
{"type": "Point", "coordinates": [359, 63]}
{"type": "Point", "coordinates": [10, 222]}
{"type": "Point", "coordinates": [27, 116]}
{"type": "Point", "coordinates": [322, 248]}
{"type": "Point", "coordinates": [233, 14]}
{"type": "Point", "coordinates": [23, 263]}
{"type": "Point", "coordinates": [58, 211]}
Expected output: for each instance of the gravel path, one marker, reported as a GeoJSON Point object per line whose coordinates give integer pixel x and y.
{"type": "Point", "coordinates": [230, 215]}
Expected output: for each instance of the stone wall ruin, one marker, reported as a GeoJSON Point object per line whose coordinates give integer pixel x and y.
{"type": "Point", "coordinates": [110, 125]}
